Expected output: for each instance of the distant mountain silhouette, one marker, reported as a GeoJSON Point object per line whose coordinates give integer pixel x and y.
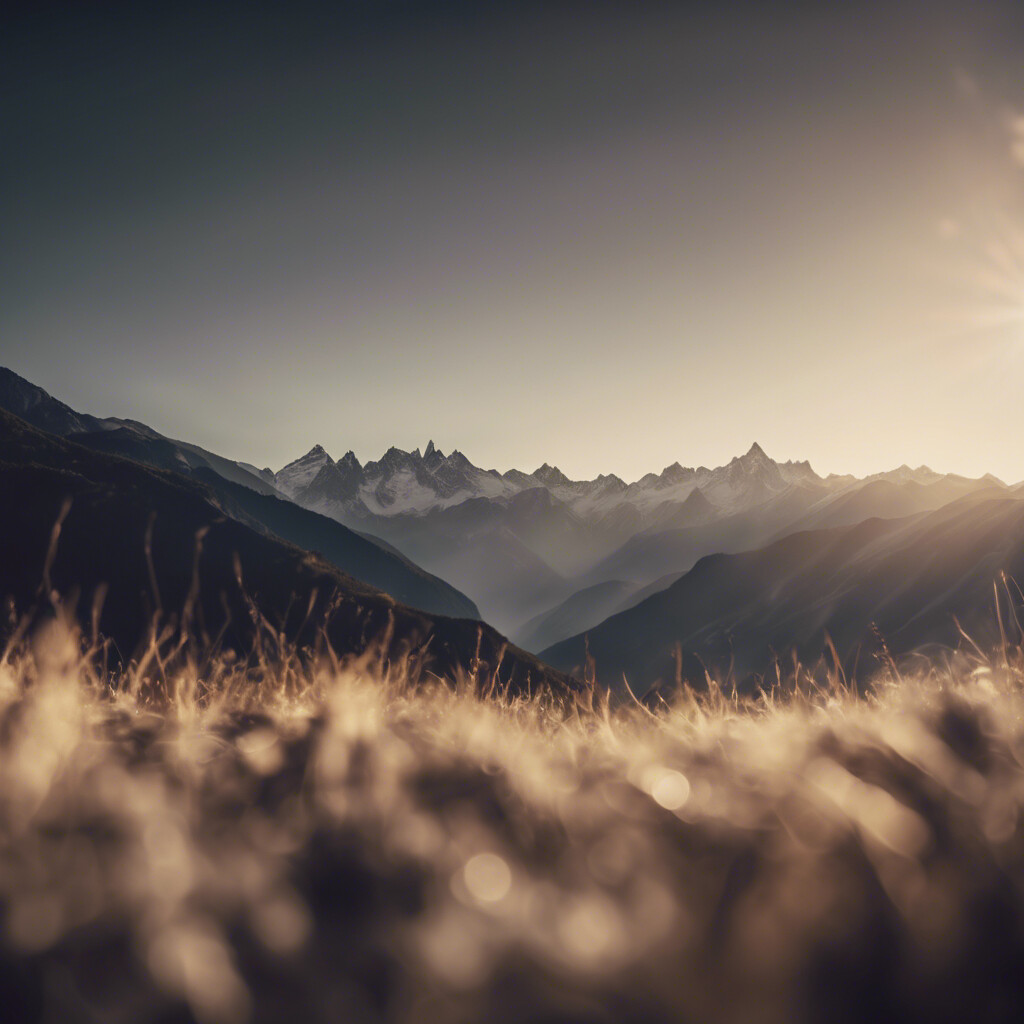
{"type": "Point", "coordinates": [892, 497]}
{"type": "Point", "coordinates": [909, 577]}
{"type": "Point", "coordinates": [116, 503]}
{"type": "Point", "coordinates": [474, 547]}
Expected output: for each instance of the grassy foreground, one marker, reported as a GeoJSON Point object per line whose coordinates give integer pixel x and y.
{"type": "Point", "coordinates": [293, 842]}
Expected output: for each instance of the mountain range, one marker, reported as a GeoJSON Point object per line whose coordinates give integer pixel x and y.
{"type": "Point", "coordinates": [732, 569]}
{"type": "Point", "coordinates": [522, 544]}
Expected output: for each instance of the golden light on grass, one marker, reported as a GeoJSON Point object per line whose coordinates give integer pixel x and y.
{"type": "Point", "coordinates": [430, 855]}
{"type": "Point", "coordinates": [282, 922]}
{"type": "Point", "coordinates": [871, 808]}
{"type": "Point", "coordinates": [262, 750]}
{"type": "Point", "coordinates": [591, 929]}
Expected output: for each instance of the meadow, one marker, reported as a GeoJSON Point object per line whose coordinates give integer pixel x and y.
{"type": "Point", "coordinates": [290, 837]}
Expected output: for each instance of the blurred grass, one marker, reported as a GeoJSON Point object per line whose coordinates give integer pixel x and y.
{"type": "Point", "coordinates": [298, 840]}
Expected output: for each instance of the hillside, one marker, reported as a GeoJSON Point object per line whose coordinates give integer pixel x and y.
{"type": "Point", "coordinates": [911, 578]}
{"type": "Point", "coordinates": [240, 487]}
{"type": "Point", "coordinates": [512, 546]}
{"type": "Point", "coordinates": [126, 437]}
{"type": "Point", "coordinates": [128, 546]}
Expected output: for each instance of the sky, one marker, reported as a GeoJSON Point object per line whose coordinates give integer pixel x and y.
{"type": "Point", "coordinates": [607, 236]}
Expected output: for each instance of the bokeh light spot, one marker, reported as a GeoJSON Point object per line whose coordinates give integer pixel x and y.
{"type": "Point", "coordinates": [671, 789]}
{"type": "Point", "coordinates": [487, 877]}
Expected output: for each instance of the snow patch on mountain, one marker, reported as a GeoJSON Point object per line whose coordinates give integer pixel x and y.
{"type": "Point", "coordinates": [415, 483]}
{"type": "Point", "coordinates": [399, 483]}
{"type": "Point", "coordinates": [418, 483]}
{"type": "Point", "coordinates": [297, 475]}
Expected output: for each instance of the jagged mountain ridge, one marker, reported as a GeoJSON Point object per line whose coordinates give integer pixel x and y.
{"type": "Point", "coordinates": [486, 531]}
{"type": "Point", "coordinates": [404, 483]}
{"type": "Point", "coordinates": [398, 483]}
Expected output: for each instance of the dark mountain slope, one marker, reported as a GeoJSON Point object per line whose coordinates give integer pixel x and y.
{"type": "Point", "coordinates": [139, 442]}
{"type": "Point", "coordinates": [359, 557]}
{"type": "Point", "coordinates": [116, 436]}
{"type": "Point", "coordinates": [35, 406]}
{"type": "Point", "coordinates": [910, 577]}
{"type": "Point", "coordinates": [379, 565]}
{"type": "Point", "coordinates": [115, 501]}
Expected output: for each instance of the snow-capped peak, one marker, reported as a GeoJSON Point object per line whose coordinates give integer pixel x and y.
{"type": "Point", "coordinates": [299, 474]}
{"type": "Point", "coordinates": [551, 476]}
{"type": "Point", "coordinates": [755, 457]}
{"type": "Point", "coordinates": [417, 483]}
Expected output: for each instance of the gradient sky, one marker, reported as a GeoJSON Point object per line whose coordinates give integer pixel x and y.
{"type": "Point", "coordinates": [604, 235]}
